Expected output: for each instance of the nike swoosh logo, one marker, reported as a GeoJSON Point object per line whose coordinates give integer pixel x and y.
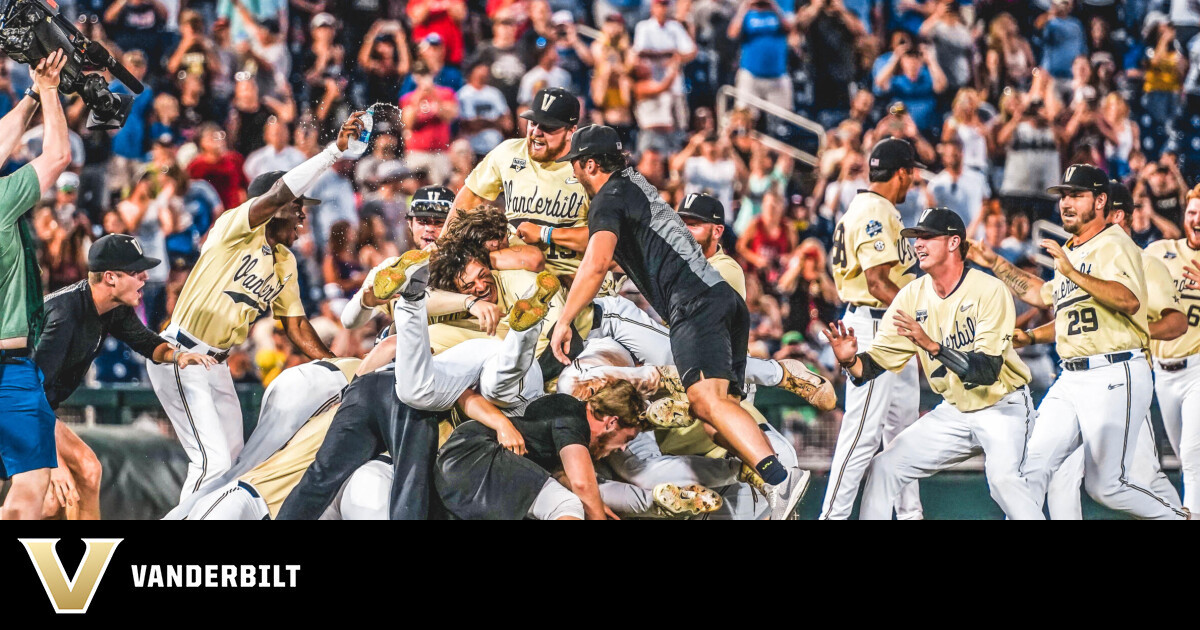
{"type": "Point", "coordinates": [1116, 385]}
{"type": "Point", "coordinates": [964, 309]}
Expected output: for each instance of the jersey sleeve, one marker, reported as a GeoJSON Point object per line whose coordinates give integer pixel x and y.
{"type": "Point", "coordinates": [287, 303]}
{"type": "Point", "coordinates": [875, 241]}
{"type": "Point", "coordinates": [997, 319]}
{"type": "Point", "coordinates": [1047, 293]}
{"type": "Point", "coordinates": [890, 350]}
{"type": "Point", "coordinates": [484, 179]}
{"type": "Point", "coordinates": [234, 226]}
{"type": "Point", "coordinates": [19, 192]}
{"type": "Point", "coordinates": [128, 328]}
{"type": "Point", "coordinates": [1160, 289]}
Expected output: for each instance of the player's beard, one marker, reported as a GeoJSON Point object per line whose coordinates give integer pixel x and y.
{"type": "Point", "coordinates": [1082, 218]}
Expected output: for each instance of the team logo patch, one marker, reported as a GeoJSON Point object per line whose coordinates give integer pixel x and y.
{"type": "Point", "coordinates": [517, 164]}
{"type": "Point", "coordinates": [922, 315]}
{"type": "Point", "coordinates": [879, 246]}
{"type": "Point", "coordinates": [874, 228]}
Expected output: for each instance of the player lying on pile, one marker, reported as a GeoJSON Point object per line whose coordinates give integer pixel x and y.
{"type": "Point", "coordinates": [987, 407]}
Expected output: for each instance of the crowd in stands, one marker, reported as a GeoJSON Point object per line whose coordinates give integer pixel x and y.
{"type": "Point", "coordinates": [996, 95]}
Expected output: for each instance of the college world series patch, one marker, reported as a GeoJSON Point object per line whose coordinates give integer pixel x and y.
{"type": "Point", "coordinates": [517, 164]}
{"type": "Point", "coordinates": [874, 228]}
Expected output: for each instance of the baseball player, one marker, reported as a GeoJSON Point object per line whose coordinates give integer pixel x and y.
{"type": "Point", "coordinates": [542, 197]}
{"type": "Point", "coordinates": [1177, 361]}
{"type": "Point", "coordinates": [1100, 329]}
{"type": "Point", "coordinates": [78, 320]}
{"type": "Point", "coordinates": [709, 323]}
{"type": "Point", "coordinates": [871, 263]}
{"type": "Point", "coordinates": [477, 478]}
{"type": "Point", "coordinates": [987, 407]}
{"type": "Point", "coordinates": [27, 452]}
{"type": "Point", "coordinates": [245, 269]}
{"type": "Point", "coordinates": [1166, 322]}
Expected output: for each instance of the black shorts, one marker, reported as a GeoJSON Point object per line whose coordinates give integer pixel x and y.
{"type": "Point", "coordinates": [709, 338]}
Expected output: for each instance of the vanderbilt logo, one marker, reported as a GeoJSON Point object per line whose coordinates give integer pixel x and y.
{"type": "Point", "coordinates": [75, 595]}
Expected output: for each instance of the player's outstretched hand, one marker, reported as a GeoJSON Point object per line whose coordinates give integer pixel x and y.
{"type": "Point", "coordinates": [910, 329]}
{"type": "Point", "coordinates": [195, 358]}
{"type": "Point", "coordinates": [560, 341]}
{"type": "Point", "coordinates": [842, 341]}
{"type": "Point", "coordinates": [47, 73]}
{"type": "Point", "coordinates": [1062, 264]}
{"type": "Point", "coordinates": [1191, 271]}
{"type": "Point", "coordinates": [511, 439]}
{"type": "Point", "coordinates": [350, 130]}
{"type": "Point", "coordinates": [488, 314]}
{"type": "Point", "coordinates": [1021, 339]}
{"type": "Point", "coordinates": [529, 232]}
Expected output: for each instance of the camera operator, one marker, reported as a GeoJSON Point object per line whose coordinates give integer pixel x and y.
{"type": "Point", "coordinates": [27, 424]}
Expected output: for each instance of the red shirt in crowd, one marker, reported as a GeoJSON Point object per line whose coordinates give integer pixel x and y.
{"type": "Point", "coordinates": [225, 174]}
{"type": "Point", "coordinates": [429, 132]}
{"type": "Point", "coordinates": [439, 21]}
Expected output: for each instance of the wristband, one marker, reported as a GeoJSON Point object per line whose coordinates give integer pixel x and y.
{"type": "Point", "coordinates": [471, 302]}
{"type": "Point", "coordinates": [550, 236]}
{"type": "Point", "coordinates": [33, 95]}
{"type": "Point", "coordinates": [544, 234]}
{"type": "Point", "coordinates": [846, 365]}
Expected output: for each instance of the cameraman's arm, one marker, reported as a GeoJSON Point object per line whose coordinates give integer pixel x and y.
{"type": "Point", "coordinates": [56, 147]}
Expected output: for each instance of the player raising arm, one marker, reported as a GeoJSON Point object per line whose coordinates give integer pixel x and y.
{"type": "Point", "coordinates": [245, 270]}
{"type": "Point", "coordinates": [987, 407]}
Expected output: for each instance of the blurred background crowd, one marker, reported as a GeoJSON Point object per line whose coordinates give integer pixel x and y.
{"type": "Point", "coordinates": [997, 96]}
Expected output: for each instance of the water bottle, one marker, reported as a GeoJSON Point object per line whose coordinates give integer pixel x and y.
{"type": "Point", "coordinates": [357, 146]}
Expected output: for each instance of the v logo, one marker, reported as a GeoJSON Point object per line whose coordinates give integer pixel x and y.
{"type": "Point", "coordinates": [74, 596]}
{"type": "Point", "coordinates": [547, 101]}
{"type": "Point", "coordinates": [687, 203]}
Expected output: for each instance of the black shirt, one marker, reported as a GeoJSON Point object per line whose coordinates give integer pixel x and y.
{"type": "Point", "coordinates": [74, 335]}
{"type": "Point", "coordinates": [550, 424]}
{"type": "Point", "coordinates": [654, 247]}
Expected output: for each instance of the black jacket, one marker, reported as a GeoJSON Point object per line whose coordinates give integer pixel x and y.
{"type": "Point", "coordinates": [75, 333]}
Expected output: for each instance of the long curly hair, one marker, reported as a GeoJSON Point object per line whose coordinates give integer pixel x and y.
{"type": "Point", "coordinates": [475, 228]}
{"type": "Point", "coordinates": [450, 259]}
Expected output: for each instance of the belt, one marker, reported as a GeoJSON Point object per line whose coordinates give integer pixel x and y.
{"type": "Point", "coordinates": [248, 488]}
{"type": "Point", "coordinates": [1087, 363]}
{"type": "Point", "coordinates": [875, 313]}
{"type": "Point", "coordinates": [15, 353]}
{"type": "Point", "coordinates": [1177, 365]}
{"type": "Point", "coordinates": [189, 343]}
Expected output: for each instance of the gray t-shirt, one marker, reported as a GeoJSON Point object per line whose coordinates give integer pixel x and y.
{"type": "Point", "coordinates": [487, 103]}
{"type": "Point", "coordinates": [1033, 164]}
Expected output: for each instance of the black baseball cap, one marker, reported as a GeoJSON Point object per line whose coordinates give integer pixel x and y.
{"type": "Point", "coordinates": [431, 201]}
{"type": "Point", "coordinates": [893, 153]}
{"type": "Point", "coordinates": [704, 207]}
{"type": "Point", "coordinates": [1081, 178]}
{"type": "Point", "coordinates": [262, 184]}
{"type": "Point", "coordinates": [553, 108]}
{"type": "Point", "coordinates": [119, 252]}
{"type": "Point", "coordinates": [592, 140]}
{"type": "Point", "coordinates": [937, 222]}
{"type": "Point", "coordinates": [1119, 197]}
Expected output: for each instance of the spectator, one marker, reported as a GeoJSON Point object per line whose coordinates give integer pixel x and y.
{"type": "Point", "coordinates": [388, 202]}
{"type": "Point", "coordinates": [385, 150]}
{"type": "Point", "coordinates": [1125, 132]}
{"type": "Point", "coordinates": [851, 178]}
{"type": "Point", "coordinates": [384, 59]}
{"type": "Point", "coordinates": [573, 55]}
{"type": "Point", "coordinates": [812, 299]}
{"type": "Point", "coordinates": [539, 31]}
{"type": "Point", "coordinates": [765, 245]}
{"type": "Point", "coordinates": [485, 117]}
{"type": "Point", "coordinates": [273, 360]}
{"type": "Point", "coordinates": [332, 189]}
{"type": "Point", "coordinates": [762, 28]}
{"type": "Point", "coordinates": [426, 113]}
{"type": "Point", "coordinates": [259, 11]}
{"type": "Point", "coordinates": [374, 243]}
{"type": "Point", "coordinates": [1032, 161]}
{"type": "Point", "coordinates": [713, 171]}
{"type": "Point", "coordinates": [767, 172]}
{"type": "Point", "coordinates": [265, 54]}
{"type": "Point", "coordinates": [832, 32]}
{"type": "Point", "coordinates": [899, 123]}
{"type": "Point", "coordinates": [1014, 56]}
{"type": "Point", "coordinates": [1082, 131]}
{"type": "Point", "coordinates": [275, 154]}
{"type": "Point", "coordinates": [342, 270]}
{"type": "Point", "coordinates": [546, 74]}
{"type": "Point", "coordinates": [766, 320]}
{"type": "Point", "coordinates": [148, 213]}
{"type": "Point", "coordinates": [166, 117]}
{"type": "Point", "coordinates": [612, 85]}
{"type": "Point", "coordinates": [196, 107]}
{"type": "Point", "coordinates": [1164, 189]}
{"type": "Point", "coordinates": [915, 78]}
{"type": "Point", "coordinates": [503, 58]}
{"type": "Point", "coordinates": [325, 77]}
{"type": "Point", "coordinates": [959, 188]}
{"type": "Point", "coordinates": [663, 43]}
{"type": "Point", "coordinates": [137, 25]}
{"type": "Point", "coordinates": [1062, 39]}
{"type": "Point", "coordinates": [249, 114]}
{"type": "Point", "coordinates": [1147, 225]}
{"type": "Point", "coordinates": [128, 145]}
{"type": "Point", "coordinates": [1164, 66]}
{"type": "Point", "coordinates": [443, 18]}
{"type": "Point", "coordinates": [219, 166]}
{"type": "Point", "coordinates": [195, 54]}
{"type": "Point", "coordinates": [654, 109]}
{"type": "Point", "coordinates": [965, 125]}
{"type": "Point", "coordinates": [952, 42]}
{"type": "Point", "coordinates": [432, 53]}
{"type": "Point", "coordinates": [63, 247]}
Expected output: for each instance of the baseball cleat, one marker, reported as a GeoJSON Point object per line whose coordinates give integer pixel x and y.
{"type": "Point", "coordinates": [668, 413]}
{"type": "Point", "coordinates": [749, 476]}
{"type": "Point", "coordinates": [814, 388]}
{"type": "Point", "coordinates": [784, 497]}
{"type": "Point", "coordinates": [691, 500]}
{"type": "Point", "coordinates": [548, 286]}
{"type": "Point", "coordinates": [526, 314]}
{"type": "Point", "coordinates": [670, 382]}
{"type": "Point", "coordinates": [408, 277]}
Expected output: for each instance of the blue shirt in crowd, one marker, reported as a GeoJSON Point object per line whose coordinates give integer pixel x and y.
{"type": "Point", "coordinates": [447, 78]}
{"type": "Point", "coordinates": [1062, 42]}
{"type": "Point", "coordinates": [130, 141]}
{"type": "Point", "coordinates": [764, 44]}
{"type": "Point", "coordinates": [917, 95]}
